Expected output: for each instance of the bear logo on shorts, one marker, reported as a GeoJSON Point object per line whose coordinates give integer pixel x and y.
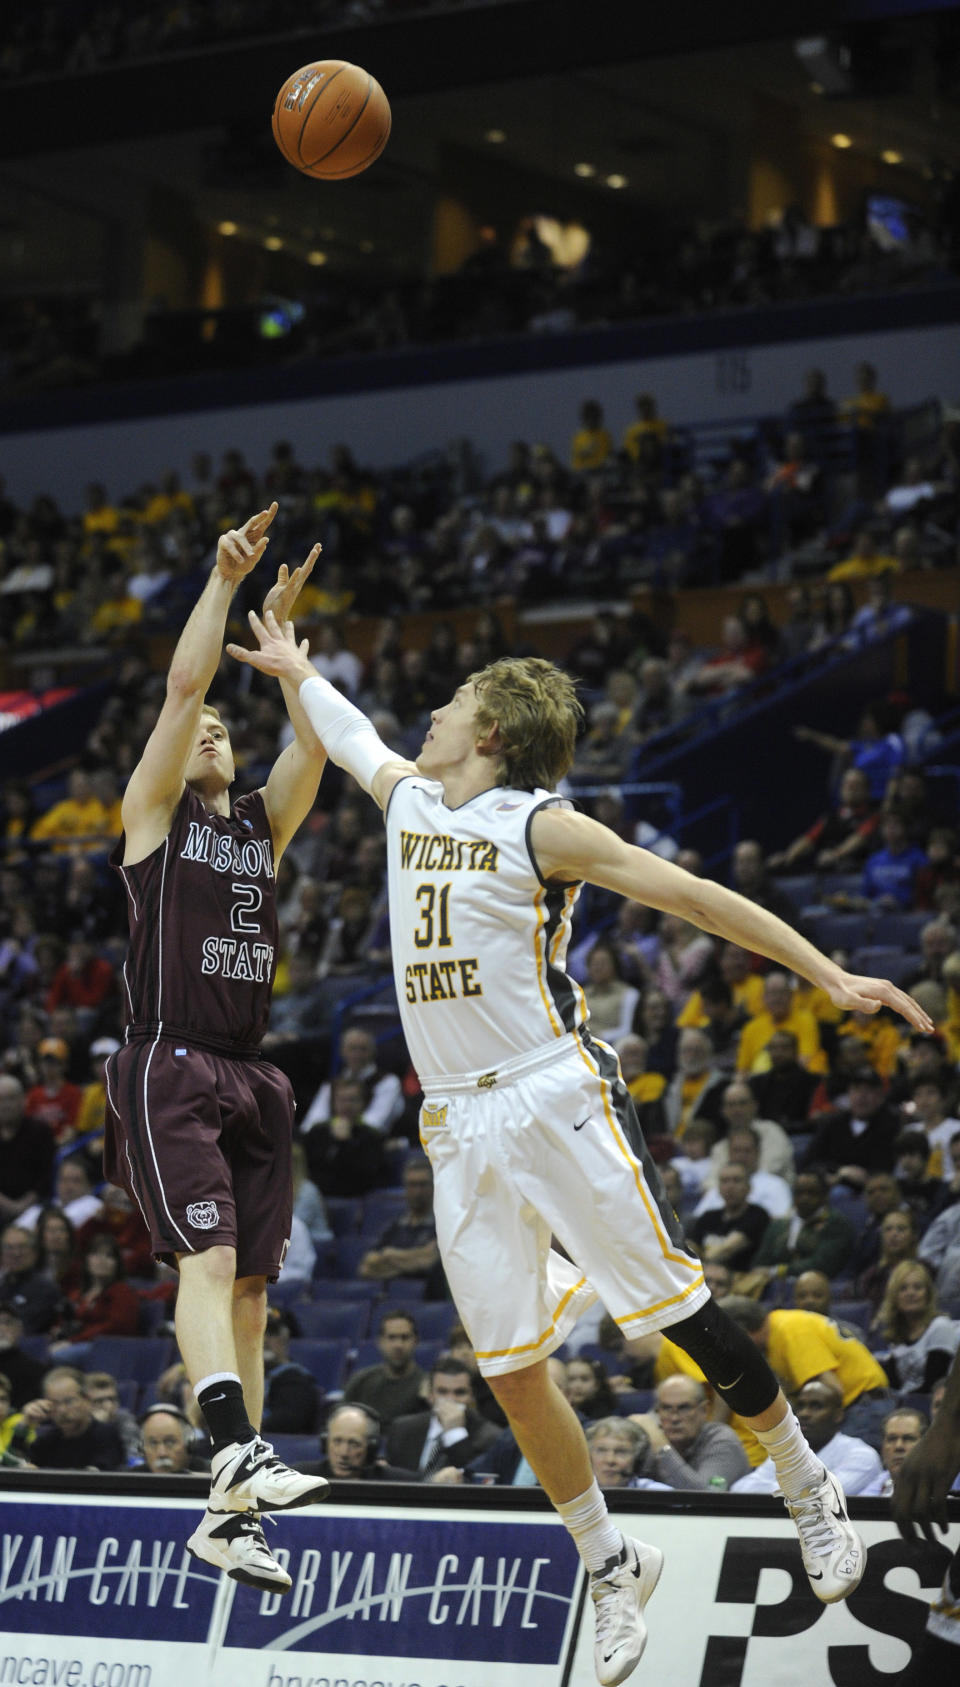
{"type": "Point", "coordinates": [203, 1215]}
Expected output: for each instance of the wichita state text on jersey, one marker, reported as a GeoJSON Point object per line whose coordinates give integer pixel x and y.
{"type": "Point", "coordinates": [479, 941]}
{"type": "Point", "coordinates": [202, 912]}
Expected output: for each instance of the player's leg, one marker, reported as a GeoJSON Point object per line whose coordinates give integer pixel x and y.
{"type": "Point", "coordinates": [834, 1556]}
{"type": "Point", "coordinates": [623, 1573]}
{"type": "Point", "coordinates": [249, 1323]}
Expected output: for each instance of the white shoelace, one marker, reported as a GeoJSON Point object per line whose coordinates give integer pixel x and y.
{"type": "Point", "coordinates": [818, 1534]}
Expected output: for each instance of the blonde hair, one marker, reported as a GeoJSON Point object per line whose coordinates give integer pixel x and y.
{"type": "Point", "coordinates": [534, 706]}
{"type": "Point", "coordinates": [890, 1319]}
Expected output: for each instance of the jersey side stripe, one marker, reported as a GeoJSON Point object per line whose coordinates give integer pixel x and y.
{"type": "Point", "coordinates": [602, 1062]}
{"type": "Point", "coordinates": [539, 950]}
{"type": "Point", "coordinates": [132, 1122]}
{"type": "Point", "coordinates": [566, 994]}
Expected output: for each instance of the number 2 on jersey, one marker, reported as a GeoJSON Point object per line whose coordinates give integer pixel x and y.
{"type": "Point", "coordinates": [431, 902]}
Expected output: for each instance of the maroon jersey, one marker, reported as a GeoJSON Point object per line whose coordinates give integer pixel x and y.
{"type": "Point", "coordinates": [203, 927]}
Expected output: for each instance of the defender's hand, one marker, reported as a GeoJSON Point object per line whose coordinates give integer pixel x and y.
{"type": "Point", "coordinates": [239, 550]}
{"type": "Point", "coordinates": [278, 653]}
{"type": "Point", "coordinates": [284, 593]}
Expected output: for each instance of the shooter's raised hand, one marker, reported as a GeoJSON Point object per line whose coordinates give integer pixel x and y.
{"type": "Point", "coordinates": [240, 549]}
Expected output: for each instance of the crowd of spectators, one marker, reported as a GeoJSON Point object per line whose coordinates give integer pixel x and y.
{"type": "Point", "coordinates": [509, 286]}
{"type": "Point", "coordinates": [436, 534]}
{"type": "Point", "coordinates": [809, 1153]}
{"type": "Point", "coordinates": [88, 35]}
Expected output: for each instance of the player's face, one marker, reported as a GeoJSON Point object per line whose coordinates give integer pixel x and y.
{"type": "Point", "coordinates": [452, 738]}
{"type": "Point", "coordinates": [211, 759]}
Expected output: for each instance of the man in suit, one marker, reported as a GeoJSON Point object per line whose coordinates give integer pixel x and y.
{"type": "Point", "coordinates": [449, 1432]}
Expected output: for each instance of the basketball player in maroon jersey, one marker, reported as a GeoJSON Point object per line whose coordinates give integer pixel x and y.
{"type": "Point", "coordinates": [199, 1126]}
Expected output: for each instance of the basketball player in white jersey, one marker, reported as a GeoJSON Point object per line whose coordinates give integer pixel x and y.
{"type": "Point", "coordinates": [526, 1119]}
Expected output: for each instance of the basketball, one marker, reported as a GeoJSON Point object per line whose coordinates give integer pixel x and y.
{"type": "Point", "coordinates": [331, 119]}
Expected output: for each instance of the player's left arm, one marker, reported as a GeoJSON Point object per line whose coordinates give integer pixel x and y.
{"type": "Point", "coordinates": [928, 1471]}
{"type": "Point", "coordinates": [569, 846]}
{"type": "Point", "coordinates": [291, 789]}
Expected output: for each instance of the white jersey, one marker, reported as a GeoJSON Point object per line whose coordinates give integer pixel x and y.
{"type": "Point", "coordinates": [479, 940]}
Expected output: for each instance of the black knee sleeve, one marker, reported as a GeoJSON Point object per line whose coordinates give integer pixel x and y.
{"type": "Point", "coordinates": [730, 1361]}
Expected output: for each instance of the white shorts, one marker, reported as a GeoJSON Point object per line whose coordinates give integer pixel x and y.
{"type": "Point", "coordinates": [549, 1145]}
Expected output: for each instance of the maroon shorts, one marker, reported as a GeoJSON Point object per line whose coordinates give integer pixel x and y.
{"type": "Point", "coordinates": [201, 1142]}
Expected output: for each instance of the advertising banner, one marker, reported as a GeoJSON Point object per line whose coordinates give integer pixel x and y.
{"type": "Point", "coordinates": [103, 1594]}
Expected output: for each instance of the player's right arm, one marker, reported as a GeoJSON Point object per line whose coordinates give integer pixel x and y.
{"type": "Point", "coordinates": [156, 784]}
{"type": "Point", "coordinates": [344, 731]}
{"type": "Point", "coordinates": [569, 846]}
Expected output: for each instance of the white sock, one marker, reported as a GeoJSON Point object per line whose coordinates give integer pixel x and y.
{"type": "Point", "coordinates": [593, 1531]}
{"type": "Point", "coordinates": [215, 1376]}
{"type": "Point", "coordinates": [796, 1463]}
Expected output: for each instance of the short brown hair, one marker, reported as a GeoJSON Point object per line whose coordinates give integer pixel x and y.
{"type": "Point", "coordinates": [535, 708]}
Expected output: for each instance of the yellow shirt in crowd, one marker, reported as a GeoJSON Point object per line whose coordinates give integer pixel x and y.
{"type": "Point", "coordinates": [800, 1345]}
{"type": "Point", "coordinates": [590, 448]}
{"type": "Point", "coordinates": [757, 1032]}
{"type": "Point", "coordinates": [748, 994]}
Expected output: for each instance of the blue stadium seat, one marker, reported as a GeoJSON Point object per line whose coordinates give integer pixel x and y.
{"type": "Point", "coordinates": [901, 931]}
{"type": "Point", "coordinates": [615, 1364]}
{"type": "Point", "coordinates": [128, 1393]}
{"type": "Point", "coordinates": [841, 884]}
{"type": "Point", "coordinates": [294, 1449]}
{"type": "Point", "coordinates": [857, 1312]}
{"type": "Point", "coordinates": [349, 1252]}
{"type": "Point", "coordinates": [435, 1319]}
{"type": "Point", "coordinates": [343, 1215]}
{"type": "Point", "coordinates": [325, 1360]}
{"type": "Point", "coordinates": [634, 1400]}
{"type": "Point", "coordinates": [838, 931]}
{"type": "Point", "coordinates": [850, 1204]}
{"type": "Point", "coordinates": [882, 961]}
{"type": "Point", "coordinates": [403, 1290]}
{"type": "Point", "coordinates": [142, 1358]}
{"type": "Point", "coordinates": [380, 1209]}
{"type": "Point", "coordinates": [800, 889]}
{"type": "Point", "coordinates": [325, 1287]}
{"type": "Point", "coordinates": [329, 1320]}
{"type": "Point", "coordinates": [368, 1353]}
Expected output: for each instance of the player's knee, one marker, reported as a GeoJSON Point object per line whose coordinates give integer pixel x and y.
{"type": "Point", "coordinates": [250, 1302]}
{"type": "Point", "coordinates": [520, 1392]}
{"type": "Point", "coordinates": [214, 1267]}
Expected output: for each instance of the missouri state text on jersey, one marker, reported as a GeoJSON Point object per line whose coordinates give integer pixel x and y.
{"type": "Point", "coordinates": [479, 941]}
{"type": "Point", "coordinates": [202, 910]}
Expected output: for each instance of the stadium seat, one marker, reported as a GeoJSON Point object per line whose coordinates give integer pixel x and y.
{"type": "Point", "coordinates": [850, 1204]}
{"type": "Point", "coordinates": [403, 1290]}
{"type": "Point", "coordinates": [368, 1353]}
{"type": "Point", "coordinates": [349, 1252]}
{"type": "Point", "coordinates": [142, 1358]}
{"type": "Point", "coordinates": [901, 931]}
{"type": "Point", "coordinates": [35, 1346]}
{"type": "Point", "coordinates": [800, 889]}
{"type": "Point", "coordinates": [325, 1360]}
{"type": "Point", "coordinates": [128, 1393]}
{"type": "Point", "coordinates": [615, 1364]}
{"type": "Point", "coordinates": [330, 1320]}
{"type": "Point", "coordinates": [435, 1319]}
{"type": "Point", "coordinates": [296, 1449]}
{"type": "Point", "coordinates": [837, 931]}
{"type": "Point", "coordinates": [882, 961]}
{"type": "Point", "coordinates": [634, 1400]}
{"type": "Point", "coordinates": [841, 884]}
{"type": "Point", "coordinates": [857, 1312]}
{"type": "Point", "coordinates": [325, 1287]}
{"type": "Point", "coordinates": [379, 1210]}
{"type": "Point", "coordinates": [343, 1215]}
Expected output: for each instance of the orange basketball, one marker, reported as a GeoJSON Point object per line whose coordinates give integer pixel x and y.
{"type": "Point", "coordinates": [331, 119]}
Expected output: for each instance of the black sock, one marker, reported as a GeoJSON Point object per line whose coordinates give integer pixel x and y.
{"type": "Point", "coordinates": [225, 1414]}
